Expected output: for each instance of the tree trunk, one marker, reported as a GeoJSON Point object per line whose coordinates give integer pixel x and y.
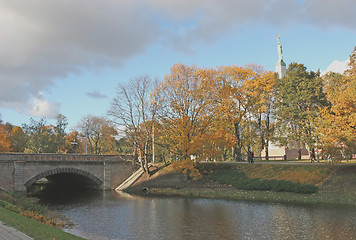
{"type": "Point", "coordinates": [238, 146]}
{"type": "Point", "coordinates": [237, 152]}
{"type": "Point", "coordinates": [299, 153]}
{"type": "Point", "coordinates": [146, 168]}
{"type": "Point", "coordinates": [141, 161]}
{"type": "Point", "coordinates": [233, 153]}
{"type": "Point", "coordinates": [266, 149]}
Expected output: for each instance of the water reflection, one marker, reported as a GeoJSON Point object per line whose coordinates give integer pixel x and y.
{"type": "Point", "coordinates": [114, 216]}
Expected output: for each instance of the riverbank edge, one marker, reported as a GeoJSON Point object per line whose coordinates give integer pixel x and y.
{"type": "Point", "coordinates": [249, 196]}
{"type": "Point", "coordinates": [327, 195]}
{"type": "Point", "coordinates": [31, 227]}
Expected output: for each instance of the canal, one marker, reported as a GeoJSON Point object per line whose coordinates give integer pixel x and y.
{"type": "Point", "coordinates": [109, 215]}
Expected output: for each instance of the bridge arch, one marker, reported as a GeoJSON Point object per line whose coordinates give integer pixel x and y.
{"type": "Point", "coordinates": [97, 181]}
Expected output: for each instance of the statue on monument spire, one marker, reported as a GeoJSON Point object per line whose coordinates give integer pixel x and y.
{"type": "Point", "coordinates": [280, 66]}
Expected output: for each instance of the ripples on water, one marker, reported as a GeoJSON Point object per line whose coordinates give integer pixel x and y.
{"type": "Point", "coordinates": [113, 216]}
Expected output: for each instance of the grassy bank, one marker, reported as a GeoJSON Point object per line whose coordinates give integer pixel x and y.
{"type": "Point", "coordinates": [300, 184]}
{"type": "Point", "coordinates": [30, 218]}
{"type": "Point", "coordinates": [32, 228]}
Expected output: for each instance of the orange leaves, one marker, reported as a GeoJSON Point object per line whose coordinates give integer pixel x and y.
{"type": "Point", "coordinates": [184, 109]}
{"type": "Point", "coordinates": [337, 122]}
{"type": "Point", "coordinates": [5, 144]}
{"type": "Point", "coordinates": [187, 167]}
{"type": "Point", "coordinates": [198, 108]}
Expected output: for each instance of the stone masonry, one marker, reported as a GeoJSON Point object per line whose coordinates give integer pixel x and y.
{"type": "Point", "coordinates": [20, 171]}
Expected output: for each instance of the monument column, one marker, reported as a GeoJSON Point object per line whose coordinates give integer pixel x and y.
{"type": "Point", "coordinates": [280, 66]}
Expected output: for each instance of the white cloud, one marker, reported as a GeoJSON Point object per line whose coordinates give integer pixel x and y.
{"type": "Point", "coordinates": [42, 41]}
{"type": "Point", "coordinates": [41, 107]}
{"type": "Point", "coordinates": [337, 67]}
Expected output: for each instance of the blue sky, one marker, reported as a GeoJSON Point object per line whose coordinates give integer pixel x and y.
{"type": "Point", "coordinates": [68, 56]}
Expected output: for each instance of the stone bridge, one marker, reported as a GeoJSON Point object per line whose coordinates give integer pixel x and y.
{"type": "Point", "coordinates": [19, 171]}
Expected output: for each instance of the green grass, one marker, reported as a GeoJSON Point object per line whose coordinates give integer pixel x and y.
{"type": "Point", "coordinates": [306, 174]}
{"type": "Point", "coordinates": [259, 196]}
{"type": "Point", "coordinates": [336, 183]}
{"type": "Point", "coordinates": [21, 202]}
{"type": "Point", "coordinates": [12, 211]}
{"type": "Point", "coordinates": [238, 179]}
{"type": "Point", "coordinates": [33, 228]}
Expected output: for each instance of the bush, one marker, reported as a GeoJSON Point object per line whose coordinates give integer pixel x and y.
{"type": "Point", "coordinates": [238, 179]}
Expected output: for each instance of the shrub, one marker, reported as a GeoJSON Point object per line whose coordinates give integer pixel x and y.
{"type": "Point", "coordinates": [25, 207]}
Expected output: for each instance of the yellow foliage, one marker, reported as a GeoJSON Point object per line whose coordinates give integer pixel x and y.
{"type": "Point", "coordinates": [337, 123]}
{"type": "Point", "coordinates": [187, 166]}
{"type": "Point", "coordinates": [5, 145]}
{"type": "Point", "coordinates": [198, 108]}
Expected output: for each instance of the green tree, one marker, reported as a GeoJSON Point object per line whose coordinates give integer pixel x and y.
{"type": "Point", "coordinates": [60, 132]}
{"type": "Point", "coordinates": [124, 146]}
{"type": "Point", "coordinates": [41, 137]}
{"type": "Point", "coordinates": [299, 96]}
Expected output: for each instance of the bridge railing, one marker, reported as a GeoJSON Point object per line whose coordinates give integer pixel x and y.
{"type": "Point", "coordinates": [61, 157]}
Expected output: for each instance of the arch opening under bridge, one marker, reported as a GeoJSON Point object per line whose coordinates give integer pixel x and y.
{"type": "Point", "coordinates": [68, 174]}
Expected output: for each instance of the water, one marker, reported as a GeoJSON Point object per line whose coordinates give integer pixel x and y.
{"type": "Point", "coordinates": [113, 216]}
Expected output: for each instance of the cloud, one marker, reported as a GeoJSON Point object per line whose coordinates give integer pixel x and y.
{"type": "Point", "coordinates": [44, 41]}
{"type": "Point", "coordinates": [337, 67]}
{"type": "Point", "coordinates": [207, 19]}
{"type": "Point", "coordinates": [96, 94]}
{"type": "Point", "coordinates": [41, 107]}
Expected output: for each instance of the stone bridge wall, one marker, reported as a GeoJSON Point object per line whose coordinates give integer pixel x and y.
{"type": "Point", "coordinates": [19, 171]}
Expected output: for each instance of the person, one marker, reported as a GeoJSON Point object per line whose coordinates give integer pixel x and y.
{"type": "Point", "coordinates": [312, 156]}
{"type": "Point", "coordinates": [249, 155]}
{"type": "Point", "coordinates": [329, 158]}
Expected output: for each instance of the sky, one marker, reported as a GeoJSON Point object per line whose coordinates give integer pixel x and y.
{"type": "Point", "coordinates": [69, 56]}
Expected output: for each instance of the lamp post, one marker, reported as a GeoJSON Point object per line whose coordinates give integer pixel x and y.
{"type": "Point", "coordinates": [153, 143]}
{"type": "Point", "coordinates": [74, 145]}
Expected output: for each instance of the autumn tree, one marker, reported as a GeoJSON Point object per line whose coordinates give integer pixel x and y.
{"type": "Point", "coordinates": [74, 143]}
{"type": "Point", "coordinates": [5, 144]}
{"type": "Point", "coordinates": [299, 97]}
{"type": "Point", "coordinates": [185, 111]}
{"type": "Point", "coordinates": [16, 136]}
{"type": "Point", "coordinates": [184, 114]}
{"type": "Point", "coordinates": [205, 112]}
{"type": "Point", "coordinates": [262, 121]}
{"type": "Point", "coordinates": [337, 122]}
{"type": "Point", "coordinates": [244, 95]}
{"type": "Point", "coordinates": [99, 134]}
{"type": "Point", "coordinates": [133, 113]}
{"type": "Point", "coordinates": [18, 139]}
